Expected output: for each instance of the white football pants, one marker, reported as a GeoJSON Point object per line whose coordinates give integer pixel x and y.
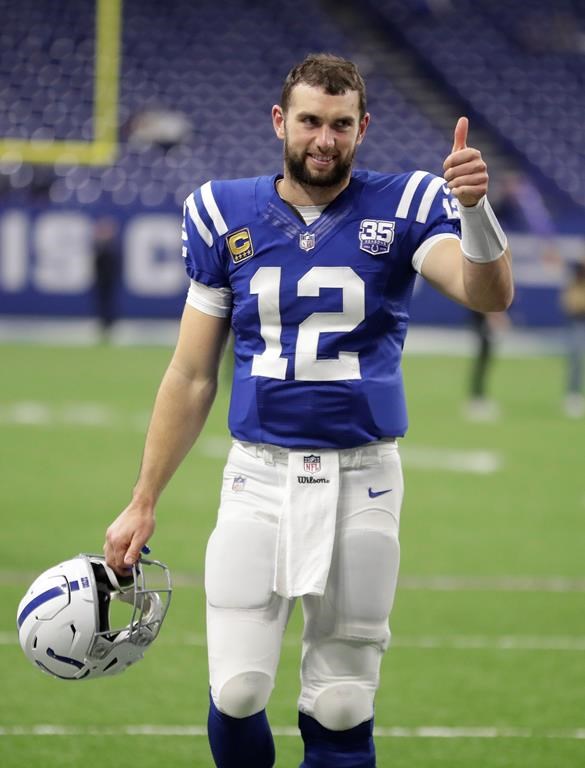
{"type": "Point", "coordinates": [346, 629]}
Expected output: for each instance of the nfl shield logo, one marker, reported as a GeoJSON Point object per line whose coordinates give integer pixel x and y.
{"type": "Point", "coordinates": [238, 483]}
{"type": "Point", "coordinates": [312, 463]}
{"type": "Point", "coordinates": [307, 241]}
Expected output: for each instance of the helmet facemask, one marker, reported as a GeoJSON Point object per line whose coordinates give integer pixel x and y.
{"type": "Point", "coordinates": [128, 609]}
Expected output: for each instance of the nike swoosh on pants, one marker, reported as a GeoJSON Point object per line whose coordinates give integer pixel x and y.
{"type": "Point", "coordinates": [373, 494]}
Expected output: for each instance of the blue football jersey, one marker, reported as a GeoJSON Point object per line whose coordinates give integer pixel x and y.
{"type": "Point", "coordinates": [320, 312]}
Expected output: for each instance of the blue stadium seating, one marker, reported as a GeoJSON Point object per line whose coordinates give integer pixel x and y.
{"type": "Point", "coordinates": [519, 66]}
{"type": "Point", "coordinates": [219, 63]}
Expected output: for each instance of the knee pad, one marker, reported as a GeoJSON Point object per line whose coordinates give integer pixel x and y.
{"type": "Point", "coordinates": [239, 564]}
{"type": "Point", "coordinates": [339, 682]}
{"type": "Point", "coordinates": [245, 694]}
{"type": "Point", "coordinates": [342, 706]}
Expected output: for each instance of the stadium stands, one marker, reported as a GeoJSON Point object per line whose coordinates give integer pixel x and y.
{"type": "Point", "coordinates": [519, 66]}
{"type": "Point", "coordinates": [196, 84]}
{"type": "Point", "coordinates": [204, 78]}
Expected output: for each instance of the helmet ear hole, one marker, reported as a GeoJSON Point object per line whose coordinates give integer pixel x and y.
{"type": "Point", "coordinates": [104, 595]}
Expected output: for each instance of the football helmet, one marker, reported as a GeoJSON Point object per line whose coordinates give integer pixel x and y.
{"type": "Point", "coordinates": [65, 620]}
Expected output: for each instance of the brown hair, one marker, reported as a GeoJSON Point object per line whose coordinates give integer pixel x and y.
{"type": "Point", "coordinates": [325, 70]}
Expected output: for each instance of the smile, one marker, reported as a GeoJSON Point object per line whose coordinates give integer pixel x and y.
{"type": "Point", "coordinates": [322, 160]}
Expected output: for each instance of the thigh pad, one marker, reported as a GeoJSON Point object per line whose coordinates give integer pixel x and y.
{"type": "Point", "coordinates": [361, 588]}
{"type": "Point", "coordinates": [239, 564]}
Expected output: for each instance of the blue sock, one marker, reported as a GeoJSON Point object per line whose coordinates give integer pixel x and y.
{"type": "Point", "coordinates": [240, 742]}
{"type": "Point", "coordinates": [353, 748]}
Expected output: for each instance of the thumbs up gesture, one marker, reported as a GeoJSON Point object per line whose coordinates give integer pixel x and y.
{"type": "Point", "coordinates": [465, 170]}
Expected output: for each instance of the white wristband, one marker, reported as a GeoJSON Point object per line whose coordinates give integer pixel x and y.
{"type": "Point", "coordinates": [482, 238]}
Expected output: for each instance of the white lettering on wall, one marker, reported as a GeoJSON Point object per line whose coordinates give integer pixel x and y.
{"type": "Point", "coordinates": [62, 244]}
{"type": "Point", "coordinates": [14, 227]}
{"type": "Point", "coordinates": [152, 247]}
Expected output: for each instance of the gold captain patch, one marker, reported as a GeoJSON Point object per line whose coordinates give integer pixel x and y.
{"type": "Point", "coordinates": [240, 245]}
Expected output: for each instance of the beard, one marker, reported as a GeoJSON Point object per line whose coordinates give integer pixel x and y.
{"type": "Point", "coordinates": [297, 167]}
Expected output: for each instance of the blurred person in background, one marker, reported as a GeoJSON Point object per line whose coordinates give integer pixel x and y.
{"type": "Point", "coordinates": [485, 326]}
{"type": "Point", "coordinates": [313, 269]}
{"type": "Point", "coordinates": [521, 208]}
{"type": "Point", "coordinates": [573, 303]}
{"type": "Point", "coordinates": [520, 205]}
{"type": "Point", "coordinates": [107, 272]}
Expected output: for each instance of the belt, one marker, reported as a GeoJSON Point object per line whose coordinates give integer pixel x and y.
{"type": "Point", "coordinates": [367, 455]}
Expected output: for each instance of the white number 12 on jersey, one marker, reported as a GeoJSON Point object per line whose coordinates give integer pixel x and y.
{"type": "Point", "coordinates": [271, 363]}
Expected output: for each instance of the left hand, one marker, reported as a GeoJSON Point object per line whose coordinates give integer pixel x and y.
{"type": "Point", "coordinates": [465, 170]}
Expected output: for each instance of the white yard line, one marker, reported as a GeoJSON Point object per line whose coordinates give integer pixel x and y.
{"type": "Point", "coordinates": [34, 413]}
{"type": "Point", "coordinates": [492, 643]}
{"type": "Point", "coordinates": [421, 339]}
{"type": "Point", "coordinates": [570, 643]}
{"type": "Point", "coordinates": [474, 462]}
{"type": "Point", "coordinates": [447, 642]}
{"type": "Point", "coordinates": [446, 583]}
{"type": "Point", "coordinates": [543, 584]}
{"type": "Point", "coordinates": [420, 732]}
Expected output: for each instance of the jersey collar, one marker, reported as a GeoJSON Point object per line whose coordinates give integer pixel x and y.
{"type": "Point", "coordinates": [272, 207]}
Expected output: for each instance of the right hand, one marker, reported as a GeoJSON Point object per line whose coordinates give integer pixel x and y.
{"type": "Point", "coordinates": [126, 536]}
{"type": "Point", "coordinates": [465, 170]}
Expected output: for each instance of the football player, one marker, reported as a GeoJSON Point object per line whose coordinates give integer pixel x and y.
{"type": "Point", "coordinates": [313, 270]}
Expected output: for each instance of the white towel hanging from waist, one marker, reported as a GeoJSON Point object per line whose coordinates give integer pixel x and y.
{"type": "Point", "coordinates": [306, 531]}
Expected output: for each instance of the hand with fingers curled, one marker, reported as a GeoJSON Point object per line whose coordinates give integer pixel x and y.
{"type": "Point", "coordinates": [465, 170]}
{"type": "Point", "coordinates": [127, 535]}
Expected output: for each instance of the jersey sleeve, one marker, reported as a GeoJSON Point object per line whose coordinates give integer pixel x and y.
{"type": "Point", "coordinates": [431, 211]}
{"type": "Point", "coordinates": [202, 236]}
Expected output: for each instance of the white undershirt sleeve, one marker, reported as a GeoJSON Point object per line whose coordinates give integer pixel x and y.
{"type": "Point", "coordinates": [421, 252]}
{"type": "Point", "coordinates": [212, 301]}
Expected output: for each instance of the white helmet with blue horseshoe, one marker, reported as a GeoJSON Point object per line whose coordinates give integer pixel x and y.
{"type": "Point", "coordinates": [65, 621]}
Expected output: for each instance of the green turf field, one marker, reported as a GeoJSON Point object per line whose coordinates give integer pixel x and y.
{"type": "Point", "coordinates": [487, 667]}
